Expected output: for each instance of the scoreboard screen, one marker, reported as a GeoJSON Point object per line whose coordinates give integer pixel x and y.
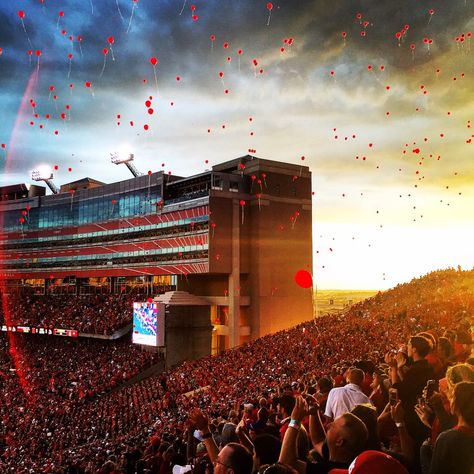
{"type": "Point", "coordinates": [145, 326]}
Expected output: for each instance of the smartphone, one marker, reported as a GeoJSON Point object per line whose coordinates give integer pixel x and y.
{"type": "Point", "coordinates": [198, 435]}
{"type": "Point", "coordinates": [392, 396]}
{"type": "Point", "coordinates": [431, 387]}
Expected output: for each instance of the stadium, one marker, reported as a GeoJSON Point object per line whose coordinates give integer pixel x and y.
{"type": "Point", "coordinates": [218, 235]}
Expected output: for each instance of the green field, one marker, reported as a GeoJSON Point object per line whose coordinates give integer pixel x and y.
{"type": "Point", "coordinates": [331, 301]}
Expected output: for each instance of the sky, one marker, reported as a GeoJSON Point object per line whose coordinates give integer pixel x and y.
{"type": "Point", "coordinates": [375, 96]}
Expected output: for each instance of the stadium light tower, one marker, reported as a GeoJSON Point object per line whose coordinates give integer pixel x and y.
{"type": "Point", "coordinates": [119, 157]}
{"type": "Point", "coordinates": [44, 173]}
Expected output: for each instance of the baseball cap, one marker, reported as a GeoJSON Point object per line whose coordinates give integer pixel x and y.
{"type": "Point", "coordinates": [372, 462]}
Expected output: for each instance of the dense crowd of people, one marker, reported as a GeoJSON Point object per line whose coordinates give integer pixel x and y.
{"type": "Point", "coordinates": [386, 386]}
{"type": "Point", "coordinates": [95, 314]}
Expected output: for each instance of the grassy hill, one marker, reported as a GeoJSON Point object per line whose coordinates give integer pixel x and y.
{"type": "Point", "coordinates": [331, 301]}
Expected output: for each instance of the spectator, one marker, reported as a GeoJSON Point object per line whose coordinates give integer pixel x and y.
{"type": "Point", "coordinates": [344, 399]}
{"type": "Point", "coordinates": [454, 449]}
{"type": "Point", "coordinates": [325, 385]}
{"type": "Point", "coordinates": [346, 438]}
{"type": "Point", "coordinates": [233, 458]}
{"type": "Point", "coordinates": [285, 405]}
{"type": "Point", "coordinates": [411, 387]}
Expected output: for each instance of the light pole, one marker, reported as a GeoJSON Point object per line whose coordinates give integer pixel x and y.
{"type": "Point", "coordinates": [45, 174]}
{"type": "Point", "coordinates": [118, 158]}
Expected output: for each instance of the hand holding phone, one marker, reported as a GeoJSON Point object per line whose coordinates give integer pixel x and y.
{"type": "Point", "coordinates": [198, 435]}
{"type": "Point", "coordinates": [431, 387]}
{"type": "Point", "coordinates": [392, 396]}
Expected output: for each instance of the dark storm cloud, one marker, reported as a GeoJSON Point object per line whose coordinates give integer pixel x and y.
{"type": "Point", "coordinates": [385, 19]}
{"type": "Point", "coordinates": [183, 45]}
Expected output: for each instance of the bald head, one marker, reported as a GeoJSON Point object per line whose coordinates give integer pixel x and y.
{"type": "Point", "coordinates": [346, 437]}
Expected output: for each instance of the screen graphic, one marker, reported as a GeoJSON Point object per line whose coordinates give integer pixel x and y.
{"type": "Point", "coordinates": [145, 323]}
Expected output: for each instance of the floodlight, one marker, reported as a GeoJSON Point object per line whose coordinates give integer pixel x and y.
{"type": "Point", "coordinates": [44, 173]}
{"type": "Point", "coordinates": [123, 156]}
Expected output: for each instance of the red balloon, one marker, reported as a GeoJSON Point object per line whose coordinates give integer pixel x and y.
{"type": "Point", "coordinates": [105, 51]}
{"type": "Point", "coordinates": [270, 6]}
{"type": "Point", "coordinates": [154, 61]}
{"type": "Point", "coordinates": [242, 202]}
{"type": "Point", "coordinates": [21, 14]}
{"type": "Point", "coordinates": [304, 279]}
{"type": "Point", "coordinates": [111, 40]}
{"type": "Point", "coordinates": [61, 14]}
{"type": "Point", "coordinates": [38, 53]}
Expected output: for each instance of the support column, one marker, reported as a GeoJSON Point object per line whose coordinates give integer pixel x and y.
{"type": "Point", "coordinates": [234, 278]}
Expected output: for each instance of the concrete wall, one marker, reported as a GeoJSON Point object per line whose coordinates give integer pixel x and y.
{"type": "Point", "coordinates": [188, 333]}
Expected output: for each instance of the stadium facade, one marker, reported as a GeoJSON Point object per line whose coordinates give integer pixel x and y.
{"type": "Point", "coordinates": [234, 235]}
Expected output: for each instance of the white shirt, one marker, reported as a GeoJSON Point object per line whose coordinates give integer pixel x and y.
{"type": "Point", "coordinates": [344, 399]}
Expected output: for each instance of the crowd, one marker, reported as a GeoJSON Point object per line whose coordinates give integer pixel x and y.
{"type": "Point", "coordinates": [387, 387]}
{"type": "Point", "coordinates": [96, 314]}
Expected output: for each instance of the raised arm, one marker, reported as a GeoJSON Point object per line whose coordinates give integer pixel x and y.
{"type": "Point", "coordinates": [200, 421]}
{"type": "Point", "coordinates": [289, 450]}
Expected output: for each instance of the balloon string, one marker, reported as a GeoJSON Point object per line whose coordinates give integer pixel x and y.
{"type": "Point", "coordinates": [156, 80]}
{"type": "Point", "coordinates": [119, 11]}
{"type": "Point", "coordinates": [80, 49]}
{"type": "Point", "coordinates": [37, 68]}
{"type": "Point", "coordinates": [182, 9]}
{"type": "Point", "coordinates": [26, 33]}
{"type": "Point", "coordinates": [69, 72]}
{"type": "Point", "coordinates": [269, 16]}
{"type": "Point", "coordinates": [112, 51]}
{"type": "Point", "coordinates": [103, 67]}
{"type": "Point", "coordinates": [131, 18]}
{"type": "Point", "coordinates": [92, 7]}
